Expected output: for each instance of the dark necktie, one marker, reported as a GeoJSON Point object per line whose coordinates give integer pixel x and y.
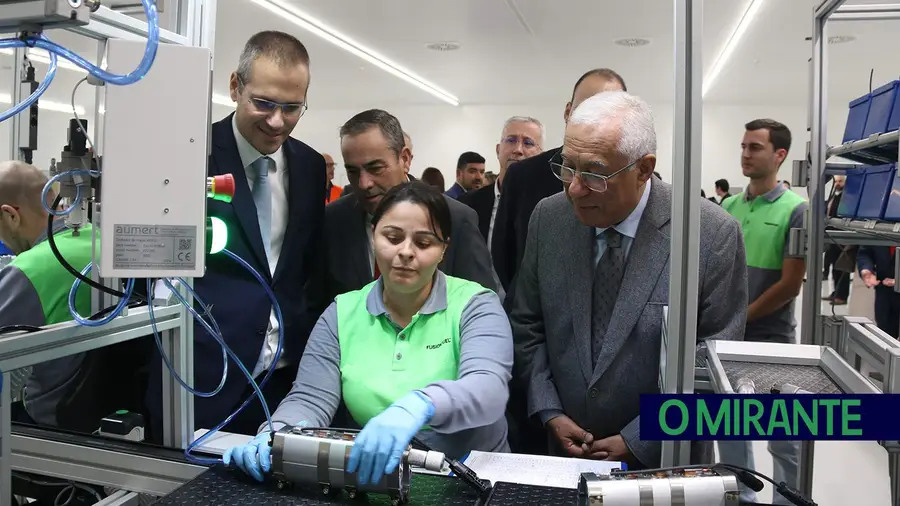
{"type": "Point", "coordinates": [607, 281]}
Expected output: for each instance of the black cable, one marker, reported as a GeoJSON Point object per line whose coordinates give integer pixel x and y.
{"type": "Point", "coordinates": [62, 261]}
{"type": "Point", "coordinates": [9, 329]}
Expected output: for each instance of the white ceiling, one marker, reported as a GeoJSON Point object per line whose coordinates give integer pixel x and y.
{"type": "Point", "coordinates": [532, 51]}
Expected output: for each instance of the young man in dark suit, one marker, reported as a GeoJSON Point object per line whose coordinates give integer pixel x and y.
{"type": "Point", "coordinates": [522, 137]}
{"type": "Point", "coordinates": [275, 223]}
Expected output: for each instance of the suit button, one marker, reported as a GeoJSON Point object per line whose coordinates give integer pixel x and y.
{"type": "Point", "coordinates": [593, 393]}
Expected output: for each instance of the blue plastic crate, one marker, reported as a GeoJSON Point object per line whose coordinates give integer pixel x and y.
{"type": "Point", "coordinates": [853, 187]}
{"type": "Point", "coordinates": [875, 192]}
{"type": "Point", "coordinates": [856, 119]}
{"type": "Point", "coordinates": [892, 210]}
{"type": "Point", "coordinates": [884, 110]}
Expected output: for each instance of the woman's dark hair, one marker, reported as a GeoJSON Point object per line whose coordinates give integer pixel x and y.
{"type": "Point", "coordinates": [426, 196]}
{"type": "Point", "coordinates": [433, 177]}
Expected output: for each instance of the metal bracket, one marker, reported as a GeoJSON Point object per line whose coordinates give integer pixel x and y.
{"type": "Point", "coordinates": [800, 173]}
{"type": "Point", "coordinates": [797, 242]}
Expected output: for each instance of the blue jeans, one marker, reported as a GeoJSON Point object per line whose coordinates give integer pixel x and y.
{"type": "Point", "coordinates": [785, 463]}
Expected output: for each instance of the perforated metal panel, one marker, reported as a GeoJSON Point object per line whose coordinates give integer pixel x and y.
{"type": "Point", "coordinates": [510, 494]}
{"type": "Point", "coordinates": [222, 487]}
{"type": "Point", "coordinates": [808, 377]}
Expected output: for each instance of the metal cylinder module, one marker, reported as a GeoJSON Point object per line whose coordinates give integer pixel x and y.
{"type": "Point", "coordinates": [319, 457]}
{"type": "Point", "coordinates": [699, 487]}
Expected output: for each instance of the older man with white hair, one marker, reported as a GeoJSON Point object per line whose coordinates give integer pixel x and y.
{"type": "Point", "coordinates": [522, 137]}
{"type": "Point", "coordinates": [599, 249]}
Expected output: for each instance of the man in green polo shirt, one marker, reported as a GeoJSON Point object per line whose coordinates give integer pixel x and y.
{"type": "Point", "coordinates": [767, 211]}
{"type": "Point", "coordinates": [34, 288]}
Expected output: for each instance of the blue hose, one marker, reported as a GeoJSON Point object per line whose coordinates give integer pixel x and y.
{"type": "Point", "coordinates": [73, 310]}
{"type": "Point", "coordinates": [55, 50]}
{"type": "Point", "coordinates": [257, 389]}
{"type": "Point", "coordinates": [215, 333]}
{"type": "Point", "coordinates": [49, 186]}
{"type": "Point", "coordinates": [28, 102]}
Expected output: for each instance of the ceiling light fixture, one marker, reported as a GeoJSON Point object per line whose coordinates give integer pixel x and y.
{"type": "Point", "coordinates": [739, 31]}
{"type": "Point", "coordinates": [443, 46]}
{"type": "Point", "coordinates": [222, 100]}
{"type": "Point", "coordinates": [47, 105]}
{"type": "Point", "coordinates": [841, 39]}
{"type": "Point", "coordinates": [318, 29]}
{"type": "Point", "coordinates": [632, 42]}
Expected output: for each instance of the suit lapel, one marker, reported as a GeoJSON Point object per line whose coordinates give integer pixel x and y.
{"type": "Point", "coordinates": [228, 160]}
{"type": "Point", "coordinates": [360, 247]}
{"type": "Point", "coordinates": [647, 258]}
{"type": "Point", "coordinates": [581, 273]}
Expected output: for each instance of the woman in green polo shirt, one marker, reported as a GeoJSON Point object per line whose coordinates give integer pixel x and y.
{"type": "Point", "coordinates": [413, 348]}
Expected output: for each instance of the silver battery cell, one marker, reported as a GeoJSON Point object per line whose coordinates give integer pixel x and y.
{"type": "Point", "coordinates": [693, 488]}
{"type": "Point", "coordinates": [320, 456]}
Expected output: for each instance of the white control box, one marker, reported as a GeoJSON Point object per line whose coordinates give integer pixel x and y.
{"type": "Point", "coordinates": [153, 170]}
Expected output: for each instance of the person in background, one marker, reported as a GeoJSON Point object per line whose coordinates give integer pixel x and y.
{"type": "Point", "coordinates": [432, 177]}
{"type": "Point", "coordinates": [469, 174]}
{"type": "Point", "coordinates": [833, 251]}
{"type": "Point", "coordinates": [274, 223]}
{"type": "Point", "coordinates": [332, 192]}
{"type": "Point", "coordinates": [444, 379]}
{"type": "Point", "coordinates": [377, 160]}
{"type": "Point", "coordinates": [787, 185]}
{"type": "Point", "coordinates": [522, 137]}
{"type": "Point", "coordinates": [656, 174]}
{"type": "Point", "coordinates": [490, 177]}
{"type": "Point", "coordinates": [722, 187]}
{"type": "Point", "coordinates": [531, 180]}
{"type": "Point", "coordinates": [588, 311]}
{"type": "Point", "coordinates": [876, 268]}
{"type": "Point", "coordinates": [34, 290]}
{"type": "Point", "coordinates": [767, 211]}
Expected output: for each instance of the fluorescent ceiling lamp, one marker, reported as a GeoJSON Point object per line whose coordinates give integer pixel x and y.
{"type": "Point", "coordinates": [318, 29]}
{"type": "Point", "coordinates": [222, 100]}
{"type": "Point", "coordinates": [735, 38]}
{"type": "Point", "coordinates": [47, 105]}
{"type": "Point", "coordinates": [41, 56]}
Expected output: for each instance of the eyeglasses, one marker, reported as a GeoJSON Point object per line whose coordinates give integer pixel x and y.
{"type": "Point", "coordinates": [267, 107]}
{"type": "Point", "coordinates": [594, 182]}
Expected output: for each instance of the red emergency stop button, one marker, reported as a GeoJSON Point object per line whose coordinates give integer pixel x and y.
{"type": "Point", "coordinates": [220, 187]}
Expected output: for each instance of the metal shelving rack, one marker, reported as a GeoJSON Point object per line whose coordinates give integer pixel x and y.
{"type": "Point", "coordinates": [856, 339]}
{"type": "Point", "coordinates": [194, 22]}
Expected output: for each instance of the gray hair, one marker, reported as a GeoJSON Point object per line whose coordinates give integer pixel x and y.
{"type": "Point", "coordinates": [407, 140]}
{"type": "Point", "coordinates": [281, 47]}
{"type": "Point", "coordinates": [525, 119]}
{"type": "Point", "coordinates": [637, 134]}
{"type": "Point", "coordinates": [387, 123]}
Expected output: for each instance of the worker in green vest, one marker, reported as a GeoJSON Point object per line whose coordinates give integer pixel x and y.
{"type": "Point", "coordinates": [414, 353]}
{"type": "Point", "coordinates": [34, 288]}
{"type": "Point", "coordinates": [767, 211]}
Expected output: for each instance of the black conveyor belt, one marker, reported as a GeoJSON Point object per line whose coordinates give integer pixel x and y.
{"type": "Point", "coordinates": [224, 487]}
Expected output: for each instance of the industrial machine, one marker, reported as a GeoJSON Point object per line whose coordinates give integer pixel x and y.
{"type": "Point", "coordinates": [702, 486]}
{"type": "Point", "coordinates": [319, 456]}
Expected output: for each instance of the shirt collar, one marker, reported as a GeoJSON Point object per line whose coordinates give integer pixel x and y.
{"type": "Point", "coordinates": [628, 227]}
{"type": "Point", "coordinates": [248, 153]}
{"type": "Point", "coordinates": [772, 195]}
{"type": "Point", "coordinates": [436, 301]}
{"type": "Point", "coordinates": [58, 226]}
{"type": "Point", "coordinates": [496, 190]}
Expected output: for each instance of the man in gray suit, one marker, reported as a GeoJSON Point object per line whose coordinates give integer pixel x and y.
{"type": "Point", "coordinates": [599, 249]}
{"type": "Point", "coordinates": [377, 158]}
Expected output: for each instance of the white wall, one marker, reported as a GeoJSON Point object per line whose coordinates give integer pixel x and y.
{"type": "Point", "coordinates": [441, 133]}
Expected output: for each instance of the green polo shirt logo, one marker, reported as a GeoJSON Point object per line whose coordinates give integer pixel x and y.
{"type": "Point", "coordinates": [380, 364]}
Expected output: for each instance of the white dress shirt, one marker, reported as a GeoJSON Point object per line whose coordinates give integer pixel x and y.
{"type": "Point", "coordinates": [490, 236]}
{"type": "Point", "coordinates": [278, 184]}
{"type": "Point", "coordinates": [627, 227]}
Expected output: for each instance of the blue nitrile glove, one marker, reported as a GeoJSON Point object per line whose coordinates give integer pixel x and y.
{"type": "Point", "coordinates": [380, 445]}
{"type": "Point", "coordinates": [254, 458]}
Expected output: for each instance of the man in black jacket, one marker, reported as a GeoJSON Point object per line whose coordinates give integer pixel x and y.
{"type": "Point", "coordinates": [529, 181]}
{"type": "Point", "coordinates": [524, 185]}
